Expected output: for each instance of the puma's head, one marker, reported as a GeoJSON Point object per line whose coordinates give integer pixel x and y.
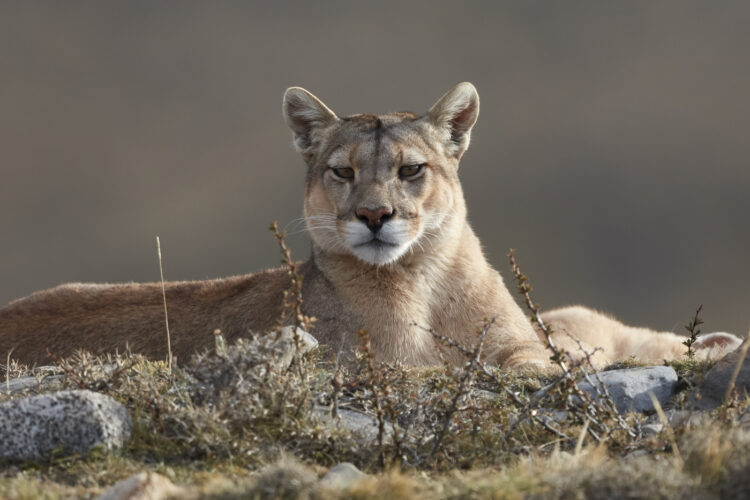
{"type": "Point", "coordinates": [381, 186]}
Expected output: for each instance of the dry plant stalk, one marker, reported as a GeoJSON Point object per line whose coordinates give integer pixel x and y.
{"type": "Point", "coordinates": [7, 370]}
{"type": "Point", "coordinates": [590, 409]}
{"type": "Point", "coordinates": [527, 409]}
{"type": "Point", "coordinates": [667, 428]}
{"type": "Point", "coordinates": [601, 389]}
{"type": "Point", "coordinates": [293, 296]}
{"type": "Point", "coordinates": [337, 382]}
{"type": "Point", "coordinates": [374, 375]}
{"type": "Point", "coordinates": [464, 386]}
{"type": "Point", "coordinates": [524, 288]}
{"type": "Point", "coordinates": [68, 370]}
{"type": "Point", "coordinates": [468, 353]}
{"type": "Point", "coordinates": [164, 299]}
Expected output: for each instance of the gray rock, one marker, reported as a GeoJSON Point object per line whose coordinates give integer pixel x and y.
{"type": "Point", "coordinates": [630, 387]}
{"type": "Point", "coordinates": [712, 390]}
{"type": "Point", "coordinates": [68, 421]}
{"type": "Point", "coordinates": [342, 476]}
{"type": "Point", "coordinates": [362, 426]}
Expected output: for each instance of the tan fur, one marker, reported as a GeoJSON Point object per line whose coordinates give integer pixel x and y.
{"type": "Point", "coordinates": [393, 254]}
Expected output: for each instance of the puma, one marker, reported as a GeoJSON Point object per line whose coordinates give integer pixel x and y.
{"type": "Point", "coordinates": [392, 254]}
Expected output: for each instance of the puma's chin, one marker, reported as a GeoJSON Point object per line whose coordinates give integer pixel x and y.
{"type": "Point", "coordinates": [378, 252]}
{"type": "Point", "coordinates": [384, 247]}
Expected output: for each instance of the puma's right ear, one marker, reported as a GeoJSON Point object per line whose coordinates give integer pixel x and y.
{"type": "Point", "coordinates": [456, 113]}
{"type": "Point", "coordinates": [305, 114]}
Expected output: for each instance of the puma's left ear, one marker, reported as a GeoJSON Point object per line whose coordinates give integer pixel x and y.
{"type": "Point", "coordinates": [305, 114]}
{"type": "Point", "coordinates": [456, 113]}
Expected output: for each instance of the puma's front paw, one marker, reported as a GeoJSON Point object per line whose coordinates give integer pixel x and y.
{"type": "Point", "coordinates": [535, 364]}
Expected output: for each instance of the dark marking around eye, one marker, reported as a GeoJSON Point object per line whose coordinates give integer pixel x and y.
{"type": "Point", "coordinates": [343, 172]}
{"type": "Point", "coordinates": [407, 171]}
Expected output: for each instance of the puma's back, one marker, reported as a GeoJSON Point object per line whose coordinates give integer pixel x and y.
{"type": "Point", "coordinates": [103, 318]}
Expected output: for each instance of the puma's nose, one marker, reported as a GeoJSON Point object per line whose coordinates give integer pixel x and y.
{"type": "Point", "coordinates": [374, 218]}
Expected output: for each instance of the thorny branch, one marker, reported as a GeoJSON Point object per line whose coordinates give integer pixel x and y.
{"type": "Point", "coordinates": [373, 376]}
{"type": "Point", "coordinates": [463, 386]}
{"type": "Point", "coordinates": [524, 288]}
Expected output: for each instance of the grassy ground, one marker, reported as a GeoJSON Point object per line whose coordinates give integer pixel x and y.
{"type": "Point", "coordinates": [229, 424]}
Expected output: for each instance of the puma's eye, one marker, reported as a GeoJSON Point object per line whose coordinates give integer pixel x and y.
{"type": "Point", "coordinates": [410, 170]}
{"type": "Point", "coordinates": [343, 172]}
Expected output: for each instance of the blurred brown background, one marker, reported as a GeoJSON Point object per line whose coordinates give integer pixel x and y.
{"type": "Point", "coordinates": [612, 148]}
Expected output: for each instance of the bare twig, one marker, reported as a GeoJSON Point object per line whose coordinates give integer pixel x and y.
{"type": "Point", "coordinates": [452, 343]}
{"type": "Point", "coordinates": [464, 386]}
{"type": "Point", "coordinates": [581, 438]}
{"type": "Point", "coordinates": [601, 389]}
{"type": "Point", "coordinates": [337, 381]}
{"type": "Point", "coordinates": [374, 376]}
{"type": "Point", "coordinates": [524, 288]}
{"type": "Point", "coordinates": [293, 296]}
{"type": "Point", "coordinates": [667, 428]}
{"type": "Point", "coordinates": [545, 422]}
{"type": "Point", "coordinates": [7, 370]}
{"type": "Point", "coordinates": [68, 371]}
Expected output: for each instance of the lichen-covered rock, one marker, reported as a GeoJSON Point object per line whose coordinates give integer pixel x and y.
{"type": "Point", "coordinates": [68, 421]}
{"type": "Point", "coordinates": [630, 387]}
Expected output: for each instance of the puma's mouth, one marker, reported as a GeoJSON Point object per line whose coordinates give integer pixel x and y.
{"type": "Point", "coordinates": [376, 242]}
{"type": "Point", "coordinates": [379, 252]}
{"type": "Point", "coordinates": [380, 248]}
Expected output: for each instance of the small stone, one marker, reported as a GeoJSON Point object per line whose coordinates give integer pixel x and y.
{"type": "Point", "coordinates": [485, 395]}
{"type": "Point", "coordinates": [635, 454]}
{"type": "Point", "coordinates": [342, 476]}
{"type": "Point", "coordinates": [362, 426]}
{"type": "Point", "coordinates": [143, 486]}
{"type": "Point", "coordinates": [651, 430]}
{"type": "Point", "coordinates": [69, 421]}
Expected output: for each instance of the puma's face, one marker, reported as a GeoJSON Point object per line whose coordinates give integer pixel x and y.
{"type": "Point", "coordinates": [381, 186]}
